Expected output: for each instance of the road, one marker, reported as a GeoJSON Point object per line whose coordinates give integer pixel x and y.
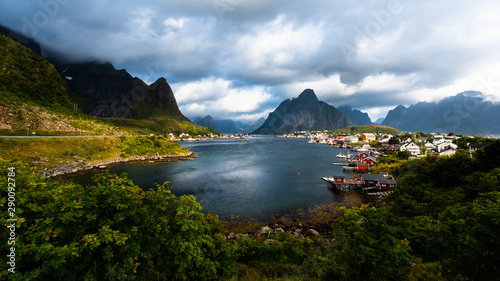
{"type": "Point", "coordinates": [36, 137]}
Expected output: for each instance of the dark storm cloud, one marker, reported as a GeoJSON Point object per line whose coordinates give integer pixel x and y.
{"type": "Point", "coordinates": [236, 47]}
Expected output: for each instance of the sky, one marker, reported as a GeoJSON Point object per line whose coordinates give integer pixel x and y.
{"type": "Point", "coordinates": [235, 59]}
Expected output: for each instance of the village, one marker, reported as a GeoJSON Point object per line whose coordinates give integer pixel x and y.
{"type": "Point", "coordinates": [360, 153]}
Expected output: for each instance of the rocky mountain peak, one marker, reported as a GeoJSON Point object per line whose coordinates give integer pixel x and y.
{"type": "Point", "coordinates": [304, 113]}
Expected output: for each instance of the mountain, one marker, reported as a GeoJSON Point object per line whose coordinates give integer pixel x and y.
{"type": "Point", "coordinates": [228, 126]}
{"type": "Point", "coordinates": [94, 88]}
{"type": "Point", "coordinates": [358, 117]}
{"type": "Point", "coordinates": [33, 96]}
{"type": "Point", "coordinates": [107, 92]}
{"type": "Point", "coordinates": [208, 122]}
{"type": "Point", "coordinates": [254, 126]}
{"type": "Point", "coordinates": [18, 37]}
{"type": "Point", "coordinates": [304, 113]}
{"type": "Point", "coordinates": [379, 121]}
{"type": "Point", "coordinates": [464, 113]}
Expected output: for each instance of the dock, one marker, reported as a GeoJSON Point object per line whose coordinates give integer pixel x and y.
{"type": "Point", "coordinates": [345, 185]}
{"type": "Point", "coordinates": [379, 194]}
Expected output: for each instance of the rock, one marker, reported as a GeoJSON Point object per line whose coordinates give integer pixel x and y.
{"type": "Point", "coordinates": [298, 231]}
{"type": "Point", "coordinates": [270, 241]}
{"type": "Point", "coordinates": [299, 236]}
{"type": "Point", "coordinates": [230, 236]}
{"type": "Point", "coordinates": [313, 232]}
{"type": "Point", "coordinates": [279, 229]}
{"type": "Point", "coordinates": [265, 230]}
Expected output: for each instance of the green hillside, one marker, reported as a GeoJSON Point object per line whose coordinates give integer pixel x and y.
{"type": "Point", "coordinates": [366, 129]}
{"type": "Point", "coordinates": [34, 99]}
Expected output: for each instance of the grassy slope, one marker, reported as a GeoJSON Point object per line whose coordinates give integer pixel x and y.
{"type": "Point", "coordinates": [33, 93]}
{"type": "Point", "coordinates": [51, 152]}
{"type": "Point", "coordinates": [367, 129]}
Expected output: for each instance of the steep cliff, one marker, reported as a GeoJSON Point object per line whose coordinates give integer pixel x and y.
{"type": "Point", "coordinates": [304, 113]}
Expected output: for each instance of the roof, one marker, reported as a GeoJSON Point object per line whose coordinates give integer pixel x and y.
{"type": "Point", "coordinates": [386, 181]}
{"type": "Point", "coordinates": [372, 177]}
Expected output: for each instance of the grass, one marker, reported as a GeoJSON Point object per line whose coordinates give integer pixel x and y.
{"type": "Point", "coordinates": [51, 152]}
{"type": "Point", "coordinates": [367, 129]}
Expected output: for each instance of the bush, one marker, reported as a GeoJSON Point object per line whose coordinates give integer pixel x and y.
{"type": "Point", "coordinates": [111, 230]}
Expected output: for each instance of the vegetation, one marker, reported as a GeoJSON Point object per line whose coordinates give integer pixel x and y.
{"type": "Point", "coordinates": [51, 152]}
{"type": "Point", "coordinates": [35, 98]}
{"type": "Point", "coordinates": [442, 223]}
{"type": "Point", "coordinates": [110, 230]}
{"type": "Point", "coordinates": [159, 125]}
{"type": "Point", "coordinates": [366, 129]}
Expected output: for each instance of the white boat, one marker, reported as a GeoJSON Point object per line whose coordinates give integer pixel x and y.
{"type": "Point", "coordinates": [340, 155]}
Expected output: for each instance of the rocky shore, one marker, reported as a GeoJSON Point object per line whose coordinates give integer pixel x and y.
{"type": "Point", "coordinates": [81, 166]}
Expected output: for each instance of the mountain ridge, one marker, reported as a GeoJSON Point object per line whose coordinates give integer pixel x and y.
{"type": "Point", "coordinates": [465, 113]}
{"type": "Point", "coordinates": [305, 112]}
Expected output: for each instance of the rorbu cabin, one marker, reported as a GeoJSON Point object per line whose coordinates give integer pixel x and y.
{"type": "Point", "coordinates": [363, 167]}
{"type": "Point", "coordinates": [339, 179]}
{"type": "Point", "coordinates": [386, 184]}
{"type": "Point", "coordinates": [371, 161]}
{"type": "Point", "coordinates": [371, 179]}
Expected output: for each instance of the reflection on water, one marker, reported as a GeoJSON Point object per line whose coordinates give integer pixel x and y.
{"type": "Point", "coordinates": [251, 179]}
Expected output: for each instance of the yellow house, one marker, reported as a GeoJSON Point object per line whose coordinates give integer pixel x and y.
{"type": "Point", "coordinates": [368, 137]}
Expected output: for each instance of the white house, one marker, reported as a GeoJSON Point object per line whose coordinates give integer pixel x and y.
{"type": "Point", "coordinates": [446, 145]}
{"type": "Point", "coordinates": [350, 139]}
{"type": "Point", "coordinates": [411, 147]}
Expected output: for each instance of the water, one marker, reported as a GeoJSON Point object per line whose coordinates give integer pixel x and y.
{"type": "Point", "coordinates": [255, 178]}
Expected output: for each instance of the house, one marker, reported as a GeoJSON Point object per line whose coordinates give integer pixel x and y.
{"type": "Point", "coordinates": [370, 160]}
{"type": "Point", "coordinates": [471, 147]}
{"type": "Point", "coordinates": [383, 140]}
{"type": "Point", "coordinates": [406, 140]}
{"type": "Point", "coordinates": [351, 139]}
{"type": "Point", "coordinates": [411, 147]}
{"type": "Point", "coordinates": [446, 145]}
{"type": "Point", "coordinates": [363, 167]}
{"type": "Point", "coordinates": [392, 148]}
{"type": "Point", "coordinates": [338, 179]}
{"type": "Point", "coordinates": [368, 137]}
{"type": "Point", "coordinates": [363, 155]}
{"type": "Point", "coordinates": [423, 139]}
{"type": "Point", "coordinates": [447, 152]}
{"type": "Point", "coordinates": [371, 179]}
{"type": "Point", "coordinates": [429, 145]}
{"type": "Point", "coordinates": [385, 184]}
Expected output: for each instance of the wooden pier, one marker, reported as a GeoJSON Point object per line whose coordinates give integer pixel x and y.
{"type": "Point", "coordinates": [344, 185]}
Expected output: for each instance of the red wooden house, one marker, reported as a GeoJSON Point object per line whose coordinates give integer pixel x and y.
{"type": "Point", "coordinates": [363, 167]}
{"type": "Point", "coordinates": [339, 179]}
{"type": "Point", "coordinates": [386, 184]}
{"type": "Point", "coordinates": [371, 161]}
{"type": "Point", "coordinates": [371, 179]}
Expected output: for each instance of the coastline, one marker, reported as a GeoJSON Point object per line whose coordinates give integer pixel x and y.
{"type": "Point", "coordinates": [76, 167]}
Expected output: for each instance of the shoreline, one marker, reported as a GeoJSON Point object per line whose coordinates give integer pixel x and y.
{"type": "Point", "coordinates": [77, 167]}
{"type": "Point", "coordinates": [317, 221]}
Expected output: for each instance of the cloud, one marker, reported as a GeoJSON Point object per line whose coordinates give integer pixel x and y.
{"type": "Point", "coordinates": [216, 97]}
{"type": "Point", "coordinates": [369, 54]}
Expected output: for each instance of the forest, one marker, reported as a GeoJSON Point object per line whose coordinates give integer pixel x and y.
{"type": "Point", "coordinates": [441, 223]}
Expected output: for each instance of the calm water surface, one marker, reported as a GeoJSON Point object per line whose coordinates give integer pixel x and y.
{"type": "Point", "coordinates": [255, 178]}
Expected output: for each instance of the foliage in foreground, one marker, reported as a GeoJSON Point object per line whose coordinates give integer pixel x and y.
{"type": "Point", "coordinates": [111, 230]}
{"type": "Point", "coordinates": [442, 223]}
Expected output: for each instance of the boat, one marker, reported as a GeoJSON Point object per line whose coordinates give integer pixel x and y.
{"type": "Point", "coordinates": [340, 155]}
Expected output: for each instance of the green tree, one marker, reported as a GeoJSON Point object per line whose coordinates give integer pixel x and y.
{"type": "Point", "coordinates": [368, 247]}
{"type": "Point", "coordinates": [111, 230]}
